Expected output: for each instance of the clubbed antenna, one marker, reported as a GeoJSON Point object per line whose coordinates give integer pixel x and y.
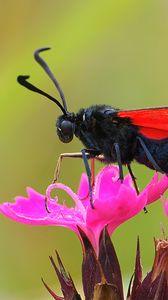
{"type": "Point", "coordinates": [46, 68]}
{"type": "Point", "coordinates": [22, 79]}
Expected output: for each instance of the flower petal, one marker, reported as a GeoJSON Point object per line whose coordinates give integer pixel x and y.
{"type": "Point", "coordinates": [83, 189]}
{"type": "Point", "coordinates": [156, 187]}
{"type": "Point", "coordinates": [32, 211]}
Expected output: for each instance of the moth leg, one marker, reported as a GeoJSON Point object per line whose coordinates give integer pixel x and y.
{"type": "Point", "coordinates": [58, 165]}
{"type": "Point", "coordinates": [149, 156]}
{"type": "Point", "coordinates": [135, 183]}
{"type": "Point", "coordinates": [89, 153]}
{"type": "Point", "coordinates": [89, 175]}
{"type": "Point", "coordinates": [133, 178]}
{"type": "Point", "coordinates": [92, 177]}
{"type": "Point", "coordinates": [100, 158]}
{"type": "Point", "coordinates": [85, 154]}
{"type": "Point", "coordinates": [92, 180]}
{"type": "Point", "coordinates": [92, 171]}
{"type": "Point", "coordinates": [118, 154]}
{"type": "Point", "coordinates": [58, 168]}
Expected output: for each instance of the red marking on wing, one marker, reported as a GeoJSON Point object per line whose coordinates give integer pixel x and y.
{"type": "Point", "coordinates": [152, 122]}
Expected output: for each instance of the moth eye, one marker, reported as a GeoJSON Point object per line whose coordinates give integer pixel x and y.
{"type": "Point", "coordinates": [65, 131]}
{"type": "Point", "coordinates": [66, 127]}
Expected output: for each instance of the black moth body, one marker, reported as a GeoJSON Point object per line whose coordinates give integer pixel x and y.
{"type": "Point", "coordinates": [99, 128]}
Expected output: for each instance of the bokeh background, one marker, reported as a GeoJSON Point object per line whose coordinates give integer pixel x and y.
{"type": "Point", "coordinates": [113, 52]}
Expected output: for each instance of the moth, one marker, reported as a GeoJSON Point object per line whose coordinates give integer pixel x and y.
{"type": "Point", "coordinates": [109, 134]}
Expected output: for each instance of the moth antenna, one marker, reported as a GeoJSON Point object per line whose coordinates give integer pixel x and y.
{"type": "Point", "coordinates": [46, 68]}
{"type": "Point", "coordinates": [22, 79]}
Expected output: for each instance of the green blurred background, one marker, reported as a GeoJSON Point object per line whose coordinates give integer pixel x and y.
{"type": "Point", "coordinates": [113, 52]}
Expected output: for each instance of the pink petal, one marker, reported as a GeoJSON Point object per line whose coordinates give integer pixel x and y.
{"type": "Point", "coordinates": [32, 210]}
{"type": "Point", "coordinates": [156, 187]}
{"type": "Point", "coordinates": [129, 207]}
{"type": "Point", "coordinates": [116, 209]}
{"type": "Point", "coordinates": [83, 190]}
{"type": "Point", "coordinates": [107, 182]}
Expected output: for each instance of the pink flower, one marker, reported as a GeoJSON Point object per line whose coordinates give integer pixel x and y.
{"type": "Point", "coordinates": [114, 203]}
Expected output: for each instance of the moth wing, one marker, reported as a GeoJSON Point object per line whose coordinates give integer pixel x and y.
{"type": "Point", "coordinates": [151, 122]}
